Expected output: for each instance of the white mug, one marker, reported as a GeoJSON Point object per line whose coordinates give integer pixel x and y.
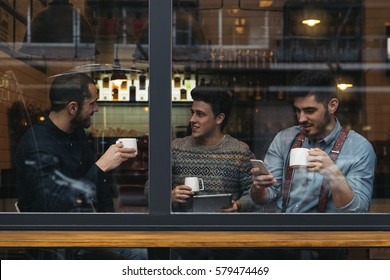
{"type": "Point", "coordinates": [193, 182]}
{"type": "Point", "coordinates": [128, 143]}
{"type": "Point", "coordinates": [298, 157]}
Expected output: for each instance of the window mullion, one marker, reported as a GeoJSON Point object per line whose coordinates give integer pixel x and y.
{"type": "Point", "coordinates": [160, 49]}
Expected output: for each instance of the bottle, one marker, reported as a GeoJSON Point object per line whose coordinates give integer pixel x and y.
{"type": "Point", "coordinates": [124, 94]}
{"type": "Point", "coordinates": [280, 95]}
{"type": "Point", "coordinates": [213, 57]}
{"type": "Point", "coordinates": [115, 93]}
{"type": "Point", "coordinates": [183, 94]}
{"type": "Point", "coordinates": [256, 58]}
{"type": "Point", "coordinates": [176, 80]}
{"type": "Point", "coordinates": [142, 80]}
{"type": "Point", "coordinates": [263, 59]}
{"type": "Point", "coordinates": [188, 84]}
{"type": "Point", "coordinates": [271, 57]}
{"type": "Point", "coordinates": [187, 77]}
{"type": "Point", "coordinates": [106, 82]}
{"type": "Point", "coordinates": [221, 58]}
{"type": "Point", "coordinates": [247, 59]}
{"type": "Point", "coordinates": [132, 90]}
{"type": "Point", "coordinates": [124, 85]}
{"type": "Point", "coordinates": [239, 59]}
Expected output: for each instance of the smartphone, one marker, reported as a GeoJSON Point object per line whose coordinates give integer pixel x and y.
{"type": "Point", "coordinates": [260, 164]}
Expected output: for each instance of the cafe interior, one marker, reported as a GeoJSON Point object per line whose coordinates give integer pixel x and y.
{"type": "Point", "coordinates": [252, 47]}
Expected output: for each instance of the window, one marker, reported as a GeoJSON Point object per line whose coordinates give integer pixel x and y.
{"type": "Point", "coordinates": [232, 53]}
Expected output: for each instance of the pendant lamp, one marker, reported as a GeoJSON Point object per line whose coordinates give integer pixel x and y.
{"type": "Point", "coordinates": [59, 31]}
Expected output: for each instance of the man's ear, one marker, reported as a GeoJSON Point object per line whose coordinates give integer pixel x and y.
{"type": "Point", "coordinates": [333, 105]}
{"type": "Point", "coordinates": [220, 118]}
{"type": "Point", "coordinates": [72, 108]}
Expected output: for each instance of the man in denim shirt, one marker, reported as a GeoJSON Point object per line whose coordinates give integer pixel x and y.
{"type": "Point", "coordinates": [349, 179]}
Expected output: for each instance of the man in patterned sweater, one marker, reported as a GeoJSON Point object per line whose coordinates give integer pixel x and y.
{"type": "Point", "coordinates": [219, 159]}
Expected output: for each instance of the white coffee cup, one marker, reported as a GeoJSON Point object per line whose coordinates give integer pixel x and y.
{"type": "Point", "coordinates": [298, 157]}
{"type": "Point", "coordinates": [193, 182]}
{"type": "Point", "coordinates": [128, 143]}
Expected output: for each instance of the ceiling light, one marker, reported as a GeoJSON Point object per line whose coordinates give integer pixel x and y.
{"type": "Point", "coordinates": [235, 10]}
{"type": "Point", "coordinates": [239, 29]}
{"type": "Point", "coordinates": [265, 3]}
{"type": "Point", "coordinates": [343, 86]}
{"type": "Point", "coordinates": [311, 22]}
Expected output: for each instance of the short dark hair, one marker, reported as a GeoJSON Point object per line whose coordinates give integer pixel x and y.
{"type": "Point", "coordinates": [320, 83]}
{"type": "Point", "coordinates": [219, 98]}
{"type": "Point", "coordinates": [67, 88]}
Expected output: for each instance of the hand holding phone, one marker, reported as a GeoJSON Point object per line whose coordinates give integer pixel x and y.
{"type": "Point", "coordinates": [260, 164]}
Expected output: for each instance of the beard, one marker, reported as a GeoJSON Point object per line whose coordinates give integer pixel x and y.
{"type": "Point", "coordinates": [322, 129]}
{"type": "Point", "coordinates": [81, 122]}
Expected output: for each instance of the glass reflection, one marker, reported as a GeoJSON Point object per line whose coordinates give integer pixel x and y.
{"type": "Point", "coordinates": [252, 48]}
{"type": "Point", "coordinates": [43, 41]}
{"type": "Point", "coordinates": [255, 49]}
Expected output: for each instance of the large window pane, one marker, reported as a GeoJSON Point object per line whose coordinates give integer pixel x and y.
{"type": "Point", "coordinates": [247, 46]}
{"type": "Point", "coordinates": [255, 49]}
{"type": "Point", "coordinates": [42, 40]}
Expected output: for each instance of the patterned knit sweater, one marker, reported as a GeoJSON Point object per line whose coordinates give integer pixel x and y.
{"type": "Point", "coordinates": [224, 168]}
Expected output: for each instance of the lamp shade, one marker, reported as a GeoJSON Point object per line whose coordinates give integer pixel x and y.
{"type": "Point", "coordinates": [118, 77]}
{"type": "Point", "coordinates": [59, 31]}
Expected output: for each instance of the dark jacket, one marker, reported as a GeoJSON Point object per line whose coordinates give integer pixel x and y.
{"type": "Point", "coordinates": [57, 172]}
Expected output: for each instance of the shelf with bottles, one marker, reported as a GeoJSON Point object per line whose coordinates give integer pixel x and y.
{"type": "Point", "coordinates": [230, 58]}
{"type": "Point", "coordinates": [183, 81]}
{"type": "Point", "coordinates": [336, 37]}
{"type": "Point", "coordinates": [245, 82]}
{"type": "Point", "coordinates": [322, 49]}
{"type": "Point", "coordinates": [134, 87]}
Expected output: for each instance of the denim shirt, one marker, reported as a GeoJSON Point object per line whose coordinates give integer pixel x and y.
{"type": "Point", "coordinates": [357, 161]}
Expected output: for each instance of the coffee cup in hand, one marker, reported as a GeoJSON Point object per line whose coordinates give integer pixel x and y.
{"type": "Point", "coordinates": [128, 143]}
{"type": "Point", "coordinates": [298, 157]}
{"type": "Point", "coordinates": [195, 183]}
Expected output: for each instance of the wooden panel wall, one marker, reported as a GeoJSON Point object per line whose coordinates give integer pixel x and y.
{"type": "Point", "coordinates": [33, 88]}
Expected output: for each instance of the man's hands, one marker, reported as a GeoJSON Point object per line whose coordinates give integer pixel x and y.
{"type": "Point", "coordinates": [114, 156]}
{"type": "Point", "coordinates": [233, 208]}
{"type": "Point", "coordinates": [260, 184]}
{"type": "Point", "coordinates": [181, 194]}
{"type": "Point", "coordinates": [319, 161]}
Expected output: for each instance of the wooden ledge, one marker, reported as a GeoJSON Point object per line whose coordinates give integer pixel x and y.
{"type": "Point", "coordinates": [163, 239]}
